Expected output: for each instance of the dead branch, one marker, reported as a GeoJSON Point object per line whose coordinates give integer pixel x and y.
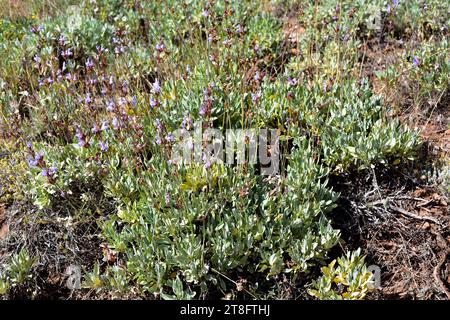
{"type": "Point", "coordinates": [437, 273]}
{"type": "Point", "coordinates": [413, 215]}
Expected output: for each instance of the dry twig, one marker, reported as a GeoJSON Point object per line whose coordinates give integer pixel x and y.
{"type": "Point", "coordinates": [413, 215]}
{"type": "Point", "coordinates": [437, 273]}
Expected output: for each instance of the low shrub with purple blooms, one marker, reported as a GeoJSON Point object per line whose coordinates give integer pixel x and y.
{"type": "Point", "coordinates": [93, 98]}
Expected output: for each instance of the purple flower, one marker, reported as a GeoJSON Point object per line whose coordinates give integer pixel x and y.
{"type": "Point", "coordinates": [416, 61]}
{"type": "Point", "coordinates": [88, 99]}
{"type": "Point", "coordinates": [105, 126]}
{"type": "Point", "coordinates": [35, 29]}
{"type": "Point", "coordinates": [227, 42]}
{"type": "Point", "coordinates": [153, 102]}
{"type": "Point", "coordinates": [32, 162]}
{"type": "Point", "coordinates": [187, 123]}
{"type": "Point", "coordinates": [207, 161]}
{"type": "Point", "coordinates": [203, 110]}
{"type": "Point", "coordinates": [160, 46]}
{"type": "Point", "coordinates": [110, 106]}
{"type": "Point", "coordinates": [159, 125]}
{"type": "Point", "coordinates": [122, 101]}
{"type": "Point", "coordinates": [257, 76]}
{"type": "Point", "coordinates": [89, 63]}
{"type": "Point", "coordinates": [205, 13]}
{"type": "Point", "coordinates": [292, 81]}
{"type": "Point", "coordinates": [62, 40]}
{"type": "Point", "coordinates": [117, 50]}
{"type": "Point", "coordinates": [115, 123]}
{"type": "Point", "coordinates": [156, 87]}
{"type": "Point", "coordinates": [37, 59]}
{"type": "Point", "coordinates": [103, 146]}
{"type": "Point", "coordinates": [395, 3]}
{"type": "Point", "coordinates": [53, 170]}
{"type": "Point", "coordinates": [67, 53]}
{"type": "Point", "coordinates": [95, 129]}
{"type": "Point", "coordinates": [45, 172]}
{"type": "Point", "coordinates": [100, 49]}
{"type": "Point", "coordinates": [29, 145]}
{"type": "Point", "coordinates": [170, 137]}
{"type": "Point", "coordinates": [256, 97]}
{"type": "Point", "coordinates": [81, 138]}
{"type": "Point", "coordinates": [167, 198]}
{"type": "Point", "coordinates": [81, 143]}
{"type": "Point", "coordinates": [239, 29]}
{"type": "Point", "coordinates": [158, 140]}
{"type": "Point", "coordinates": [134, 101]}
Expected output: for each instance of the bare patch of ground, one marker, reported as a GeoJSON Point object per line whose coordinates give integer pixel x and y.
{"type": "Point", "coordinates": [56, 240]}
{"type": "Point", "coordinates": [403, 227]}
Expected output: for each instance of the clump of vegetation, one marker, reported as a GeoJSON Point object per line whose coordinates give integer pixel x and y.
{"type": "Point", "coordinates": [17, 274]}
{"type": "Point", "coordinates": [424, 73]}
{"type": "Point", "coordinates": [13, 171]}
{"type": "Point", "coordinates": [349, 280]}
{"type": "Point", "coordinates": [92, 98]}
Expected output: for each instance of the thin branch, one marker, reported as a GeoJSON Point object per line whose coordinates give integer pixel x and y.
{"type": "Point", "coordinates": [437, 273]}
{"type": "Point", "coordinates": [414, 216]}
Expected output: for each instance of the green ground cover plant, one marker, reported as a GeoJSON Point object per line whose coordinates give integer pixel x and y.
{"type": "Point", "coordinates": [91, 96]}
